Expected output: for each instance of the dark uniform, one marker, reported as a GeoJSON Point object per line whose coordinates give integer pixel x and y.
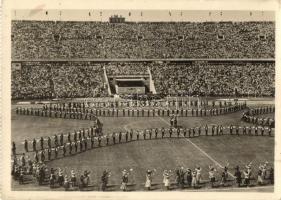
{"type": "Point", "coordinates": [114, 138]}
{"type": "Point", "coordinates": [231, 129]}
{"type": "Point", "coordinates": [163, 132]}
{"type": "Point", "coordinates": [49, 142]}
{"type": "Point", "coordinates": [14, 148]}
{"type": "Point", "coordinates": [42, 143]}
{"type": "Point", "coordinates": [156, 132]}
{"type": "Point", "coordinates": [184, 132]}
{"type": "Point", "coordinates": [49, 153]}
{"type": "Point", "coordinates": [178, 132]}
{"type": "Point", "coordinates": [64, 150]}
{"type": "Point", "coordinates": [131, 135]}
{"type": "Point", "coordinates": [34, 144]}
{"type": "Point", "coordinates": [126, 136]}
{"type": "Point", "coordinates": [120, 137]}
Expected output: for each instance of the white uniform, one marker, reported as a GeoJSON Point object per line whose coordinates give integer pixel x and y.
{"type": "Point", "coordinates": [166, 179]}
{"type": "Point", "coordinates": [148, 180]}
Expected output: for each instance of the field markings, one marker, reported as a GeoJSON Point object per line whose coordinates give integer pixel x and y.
{"type": "Point", "coordinates": [201, 150]}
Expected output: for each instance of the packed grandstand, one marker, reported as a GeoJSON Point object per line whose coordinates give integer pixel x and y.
{"type": "Point", "coordinates": [73, 59]}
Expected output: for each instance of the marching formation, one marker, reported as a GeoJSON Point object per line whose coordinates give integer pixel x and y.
{"type": "Point", "coordinates": [250, 116]}
{"type": "Point", "coordinates": [179, 178]}
{"type": "Point", "coordinates": [47, 149]}
{"type": "Point", "coordinates": [86, 113]}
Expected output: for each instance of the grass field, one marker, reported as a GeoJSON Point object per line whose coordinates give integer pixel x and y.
{"type": "Point", "coordinates": [167, 153]}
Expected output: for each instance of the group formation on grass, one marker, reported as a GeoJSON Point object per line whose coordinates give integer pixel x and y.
{"type": "Point", "coordinates": [87, 113]}
{"type": "Point", "coordinates": [46, 149]}
{"type": "Point", "coordinates": [179, 178]}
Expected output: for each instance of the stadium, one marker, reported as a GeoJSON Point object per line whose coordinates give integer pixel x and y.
{"type": "Point", "coordinates": [119, 105]}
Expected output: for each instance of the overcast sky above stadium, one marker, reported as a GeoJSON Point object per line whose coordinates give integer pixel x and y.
{"type": "Point", "coordinates": [143, 15]}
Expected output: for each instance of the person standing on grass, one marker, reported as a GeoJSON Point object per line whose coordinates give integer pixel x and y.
{"type": "Point", "coordinates": [14, 148]}
{"type": "Point", "coordinates": [64, 150]}
{"type": "Point", "coordinates": [231, 129]}
{"type": "Point", "coordinates": [212, 178]}
{"type": "Point", "coordinates": [184, 132]}
{"type": "Point", "coordinates": [213, 130]}
{"type": "Point", "coordinates": [42, 156]}
{"type": "Point", "coordinates": [166, 179]}
{"type": "Point", "coordinates": [114, 138]}
{"type": "Point", "coordinates": [246, 178]}
{"type": "Point", "coordinates": [126, 136]}
{"type": "Point", "coordinates": [170, 132]}
{"type": "Point", "coordinates": [131, 135]}
{"type": "Point", "coordinates": [238, 176]}
{"type": "Point", "coordinates": [193, 180]}
{"type": "Point", "coordinates": [120, 137]}
{"type": "Point", "coordinates": [260, 179]}
{"type": "Point", "coordinates": [188, 177]}
{"type": "Point", "coordinates": [56, 141]}
{"type": "Point", "coordinates": [49, 153]}
{"type": "Point", "coordinates": [198, 174]}
{"type": "Point", "coordinates": [61, 138]}
{"type": "Point", "coordinates": [178, 132]}
{"type": "Point", "coordinates": [26, 145]}
{"type": "Point", "coordinates": [34, 144]}
{"type": "Point", "coordinates": [107, 139]}
{"type": "Point", "coordinates": [149, 175]}
{"type": "Point", "coordinates": [99, 141]}
{"type": "Point", "coordinates": [125, 180]}
{"type": "Point", "coordinates": [42, 143]}
{"type": "Point", "coordinates": [163, 132]}
{"type": "Point", "coordinates": [104, 179]}
{"type": "Point", "coordinates": [49, 142]}
{"type": "Point", "coordinates": [256, 130]}
{"type": "Point", "coordinates": [22, 160]}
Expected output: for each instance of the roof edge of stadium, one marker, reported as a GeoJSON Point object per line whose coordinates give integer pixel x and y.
{"type": "Point", "coordinates": [142, 60]}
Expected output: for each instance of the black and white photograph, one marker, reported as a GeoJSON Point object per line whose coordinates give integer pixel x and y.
{"type": "Point", "coordinates": [132, 100]}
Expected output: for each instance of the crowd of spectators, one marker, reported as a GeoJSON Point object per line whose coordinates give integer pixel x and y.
{"type": "Point", "coordinates": [86, 79]}
{"type": "Point", "coordinates": [31, 81]}
{"type": "Point", "coordinates": [215, 79]}
{"type": "Point", "coordinates": [60, 39]}
{"type": "Point", "coordinates": [39, 80]}
{"type": "Point", "coordinates": [124, 68]}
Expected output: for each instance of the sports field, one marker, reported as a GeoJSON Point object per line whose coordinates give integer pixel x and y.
{"type": "Point", "coordinates": [159, 154]}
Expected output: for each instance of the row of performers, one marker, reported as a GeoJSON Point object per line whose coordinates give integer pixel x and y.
{"type": "Point", "coordinates": [135, 103]}
{"type": "Point", "coordinates": [90, 114]}
{"type": "Point", "coordinates": [182, 176]}
{"type": "Point", "coordinates": [71, 147]}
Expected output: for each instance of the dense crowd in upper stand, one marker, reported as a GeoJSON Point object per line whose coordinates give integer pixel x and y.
{"type": "Point", "coordinates": [127, 69]}
{"type": "Point", "coordinates": [40, 80]}
{"type": "Point", "coordinates": [57, 39]}
{"type": "Point", "coordinates": [31, 81]}
{"type": "Point", "coordinates": [254, 79]}
{"type": "Point", "coordinates": [78, 80]}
